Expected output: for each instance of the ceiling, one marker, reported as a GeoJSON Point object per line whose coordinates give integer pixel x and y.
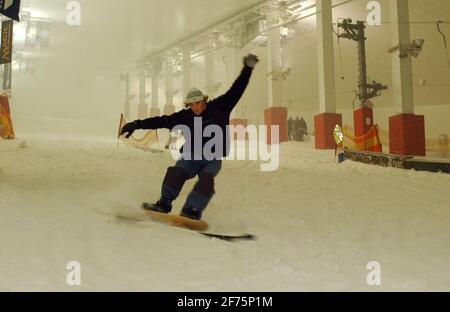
{"type": "Point", "coordinates": [116, 33]}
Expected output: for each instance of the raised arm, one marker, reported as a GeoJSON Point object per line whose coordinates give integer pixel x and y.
{"type": "Point", "coordinates": [229, 100]}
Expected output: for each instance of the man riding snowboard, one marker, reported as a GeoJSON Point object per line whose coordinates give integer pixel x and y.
{"type": "Point", "coordinates": [199, 114]}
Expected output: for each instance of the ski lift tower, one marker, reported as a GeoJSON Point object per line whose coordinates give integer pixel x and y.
{"type": "Point", "coordinates": [363, 115]}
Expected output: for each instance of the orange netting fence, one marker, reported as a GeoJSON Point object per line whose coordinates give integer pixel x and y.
{"type": "Point", "coordinates": [6, 126]}
{"type": "Point", "coordinates": [368, 142]}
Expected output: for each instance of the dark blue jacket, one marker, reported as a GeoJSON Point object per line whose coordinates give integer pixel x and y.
{"type": "Point", "coordinates": [217, 112]}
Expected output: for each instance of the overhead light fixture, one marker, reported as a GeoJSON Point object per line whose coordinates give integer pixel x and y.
{"type": "Point", "coordinates": [412, 49]}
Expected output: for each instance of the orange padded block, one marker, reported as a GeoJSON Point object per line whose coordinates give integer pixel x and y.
{"type": "Point", "coordinates": [324, 125]}
{"type": "Point", "coordinates": [276, 116]}
{"type": "Point", "coordinates": [407, 135]}
{"type": "Point", "coordinates": [240, 122]}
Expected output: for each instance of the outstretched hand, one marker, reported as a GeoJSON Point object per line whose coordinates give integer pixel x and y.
{"type": "Point", "coordinates": [251, 60]}
{"type": "Point", "coordinates": [129, 128]}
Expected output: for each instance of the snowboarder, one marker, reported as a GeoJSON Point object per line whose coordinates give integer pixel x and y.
{"type": "Point", "coordinates": [217, 113]}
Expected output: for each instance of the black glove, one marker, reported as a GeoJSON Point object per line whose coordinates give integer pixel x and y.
{"type": "Point", "coordinates": [130, 128]}
{"type": "Point", "coordinates": [251, 60]}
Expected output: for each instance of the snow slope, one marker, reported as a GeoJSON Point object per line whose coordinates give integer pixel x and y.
{"type": "Point", "coordinates": [318, 223]}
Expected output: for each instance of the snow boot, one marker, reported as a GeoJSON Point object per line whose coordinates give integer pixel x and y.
{"type": "Point", "coordinates": [191, 213]}
{"type": "Point", "coordinates": [160, 206]}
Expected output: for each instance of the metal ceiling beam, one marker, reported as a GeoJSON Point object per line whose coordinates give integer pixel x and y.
{"type": "Point", "coordinates": [200, 32]}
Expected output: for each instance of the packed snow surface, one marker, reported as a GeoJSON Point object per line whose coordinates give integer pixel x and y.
{"type": "Point", "coordinates": [318, 224]}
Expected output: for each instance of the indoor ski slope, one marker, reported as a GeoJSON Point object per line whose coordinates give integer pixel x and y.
{"type": "Point", "coordinates": [318, 223]}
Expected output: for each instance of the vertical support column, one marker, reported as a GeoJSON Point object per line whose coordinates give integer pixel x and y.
{"type": "Point", "coordinates": [154, 109]}
{"type": "Point", "coordinates": [274, 65]}
{"type": "Point", "coordinates": [275, 115]}
{"type": "Point", "coordinates": [401, 66]}
{"type": "Point", "coordinates": [327, 100]}
{"type": "Point", "coordinates": [169, 108]}
{"type": "Point", "coordinates": [187, 70]}
{"type": "Point", "coordinates": [406, 130]}
{"type": "Point", "coordinates": [154, 71]}
{"type": "Point", "coordinates": [142, 105]}
{"type": "Point", "coordinates": [126, 106]}
{"type": "Point", "coordinates": [326, 121]}
{"type": "Point", "coordinates": [234, 69]}
{"type": "Point", "coordinates": [238, 115]}
{"type": "Point", "coordinates": [363, 115]}
{"type": "Point", "coordinates": [209, 69]}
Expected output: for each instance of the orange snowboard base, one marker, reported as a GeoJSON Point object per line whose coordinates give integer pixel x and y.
{"type": "Point", "coordinates": [179, 221]}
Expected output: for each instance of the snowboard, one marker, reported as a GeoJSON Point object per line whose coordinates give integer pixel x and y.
{"type": "Point", "coordinates": [195, 225]}
{"type": "Point", "coordinates": [126, 213]}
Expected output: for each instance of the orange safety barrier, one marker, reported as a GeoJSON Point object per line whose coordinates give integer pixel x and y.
{"type": "Point", "coordinates": [434, 147]}
{"type": "Point", "coordinates": [6, 126]}
{"type": "Point", "coordinates": [368, 142]}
